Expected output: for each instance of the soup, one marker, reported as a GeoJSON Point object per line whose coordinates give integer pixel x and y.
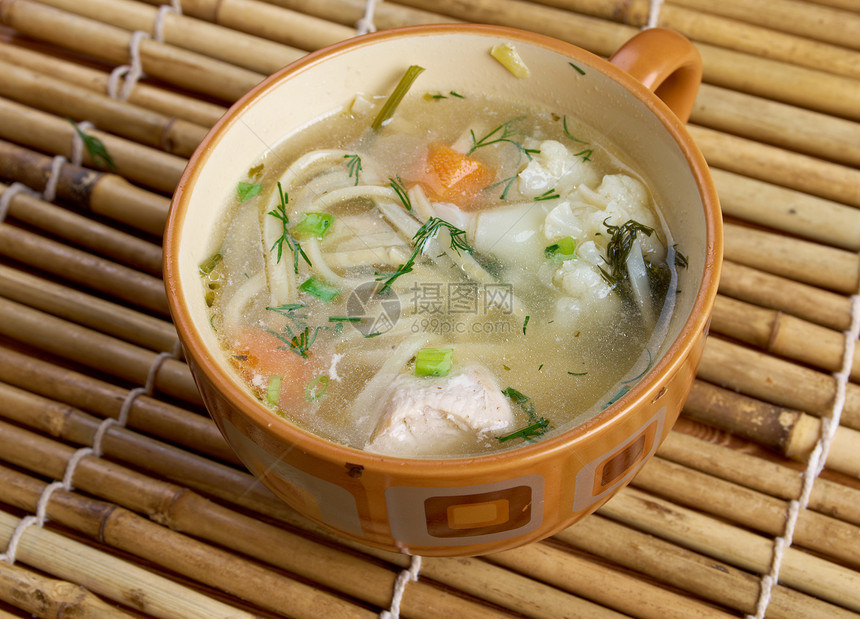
{"type": "Point", "coordinates": [470, 276]}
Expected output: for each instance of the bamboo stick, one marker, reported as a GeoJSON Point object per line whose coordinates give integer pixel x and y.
{"type": "Point", "coordinates": [800, 570]}
{"type": "Point", "coordinates": [788, 210]}
{"type": "Point", "coordinates": [270, 22]}
{"type": "Point", "coordinates": [779, 124]}
{"type": "Point", "coordinates": [96, 350]}
{"type": "Point", "coordinates": [187, 512]}
{"type": "Point", "coordinates": [825, 536]}
{"type": "Point", "coordinates": [52, 134]}
{"type": "Point", "coordinates": [778, 166]}
{"type": "Point", "coordinates": [767, 78]}
{"type": "Point", "coordinates": [166, 62]}
{"type": "Point", "coordinates": [153, 98]}
{"type": "Point", "coordinates": [782, 334]}
{"type": "Point", "coordinates": [780, 382]}
{"type": "Point", "coordinates": [610, 587]}
{"type": "Point", "coordinates": [249, 52]}
{"type": "Point", "coordinates": [43, 92]}
{"type": "Point", "coordinates": [55, 408]}
{"type": "Point", "coordinates": [752, 38]}
{"type": "Point", "coordinates": [50, 598]}
{"type": "Point", "coordinates": [773, 478]}
{"type": "Point", "coordinates": [349, 12]}
{"type": "Point", "coordinates": [715, 581]}
{"type": "Point", "coordinates": [779, 293]}
{"type": "Point", "coordinates": [790, 432]}
{"type": "Point", "coordinates": [800, 260]}
{"type": "Point", "coordinates": [83, 268]}
{"type": "Point", "coordinates": [801, 18]}
{"type": "Point", "coordinates": [102, 193]}
{"type": "Point", "coordinates": [111, 577]}
{"type": "Point", "coordinates": [111, 243]}
{"type": "Point", "coordinates": [121, 529]}
{"type": "Point", "coordinates": [84, 309]}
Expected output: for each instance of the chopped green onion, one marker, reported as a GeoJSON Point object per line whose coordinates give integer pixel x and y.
{"type": "Point", "coordinates": [396, 97]}
{"type": "Point", "coordinates": [564, 249]}
{"type": "Point", "coordinates": [316, 389]}
{"type": "Point", "coordinates": [312, 224]}
{"type": "Point", "coordinates": [273, 391]}
{"type": "Point", "coordinates": [433, 361]}
{"type": "Point", "coordinates": [207, 267]}
{"type": "Point", "coordinates": [319, 289]}
{"type": "Point", "coordinates": [246, 191]}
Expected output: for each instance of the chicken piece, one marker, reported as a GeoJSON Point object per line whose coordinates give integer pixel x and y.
{"type": "Point", "coordinates": [425, 416]}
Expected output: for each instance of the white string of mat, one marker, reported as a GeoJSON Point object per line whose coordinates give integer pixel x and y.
{"type": "Point", "coordinates": [95, 450]}
{"type": "Point", "coordinates": [816, 462]}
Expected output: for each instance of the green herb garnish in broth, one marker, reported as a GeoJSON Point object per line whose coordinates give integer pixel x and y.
{"type": "Point", "coordinates": [300, 343]}
{"type": "Point", "coordinates": [507, 182]}
{"type": "Point", "coordinates": [320, 289]}
{"type": "Point", "coordinates": [529, 432]}
{"type": "Point", "coordinates": [568, 133]}
{"type": "Point", "coordinates": [550, 194]}
{"type": "Point", "coordinates": [619, 246]}
{"type": "Point", "coordinates": [434, 361]}
{"type": "Point", "coordinates": [396, 97]}
{"type": "Point", "coordinates": [316, 388]}
{"type": "Point", "coordinates": [344, 319]}
{"type": "Point", "coordinates": [246, 191]}
{"type": "Point", "coordinates": [564, 249]}
{"type": "Point", "coordinates": [525, 323]}
{"type": "Point", "coordinates": [273, 390]}
{"type": "Point", "coordinates": [95, 147]}
{"type": "Point", "coordinates": [280, 213]}
{"type": "Point", "coordinates": [209, 264]}
{"type": "Point", "coordinates": [354, 166]}
{"type": "Point", "coordinates": [424, 234]}
{"type": "Point", "coordinates": [312, 225]}
{"type": "Point", "coordinates": [400, 189]}
{"type": "Point", "coordinates": [502, 133]}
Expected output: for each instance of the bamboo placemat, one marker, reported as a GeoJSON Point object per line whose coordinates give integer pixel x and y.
{"type": "Point", "coordinates": [150, 515]}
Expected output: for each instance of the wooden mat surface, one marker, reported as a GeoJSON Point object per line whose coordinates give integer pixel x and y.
{"type": "Point", "coordinates": [160, 520]}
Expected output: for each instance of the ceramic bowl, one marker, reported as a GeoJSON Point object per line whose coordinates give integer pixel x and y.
{"type": "Point", "coordinates": [476, 505]}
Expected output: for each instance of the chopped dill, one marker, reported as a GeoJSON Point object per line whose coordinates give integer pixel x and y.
{"type": "Point", "coordinates": [585, 154]}
{"type": "Point", "coordinates": [529, 432]}
{"type": "Point", "coordinates": [525, 323]}
{"type": "Point", "coordinates": [400, 189]}
{"type": "Point", "coordinates": [456, 94]}
{"type": "Point", "coordinates": [299, 343]}
{"type": "Point", "coordinates": [619, 246]}
{"type": "Point", "coordinates": [424, 234]}
{"type": "Point", "coordinates": [280, 213]}
{"type": "Point", "coordinates": [680, 259]}
{"type": "Point", "coordinates": [502, 133]}
{"type": "Point", "coordinates": [577, 373]}
{"type": "Point", "coordinates": [344, 319]}
{"type": "Point", "coordinates": [550, 194]}
{"type": "Point", "coordinates": [568, 133]}
{"type": "Point", "coordinates": [507, 182]}
{"type": "Point", "coordinates": [578, 70]}
{"type": "Point", "coordinates": [95, 147]}
{"type": "Point", "coordinates": [354, 166]}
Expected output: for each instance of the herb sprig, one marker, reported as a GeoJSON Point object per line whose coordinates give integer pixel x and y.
{"type": "Point", "coordinates": [537, 425]}
{"type": "Point", "coordinates": [280, 213]}
{"type": "Point", "coordinates": [424, 234]}
{"type": "Point", "coordinates": [95, 147]}
{"type": "Point", "coordinates": [502, 133]}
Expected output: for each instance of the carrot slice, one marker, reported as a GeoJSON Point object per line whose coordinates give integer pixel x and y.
{"type": "Point", "coordinates": [451, 176]}
{"type": "Point", "coordinates": [260, 356]}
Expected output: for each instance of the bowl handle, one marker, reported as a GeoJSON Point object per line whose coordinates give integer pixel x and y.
{"type": "Point", "coordinates": [667, 63]}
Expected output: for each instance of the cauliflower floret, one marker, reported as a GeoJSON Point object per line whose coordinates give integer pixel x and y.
{"type": "Point", "coordinates": [431, 416]}
{"type": "Point", "coordinates": [554, 167]}
{"type": "Point", "coordinates": [582, 280]}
